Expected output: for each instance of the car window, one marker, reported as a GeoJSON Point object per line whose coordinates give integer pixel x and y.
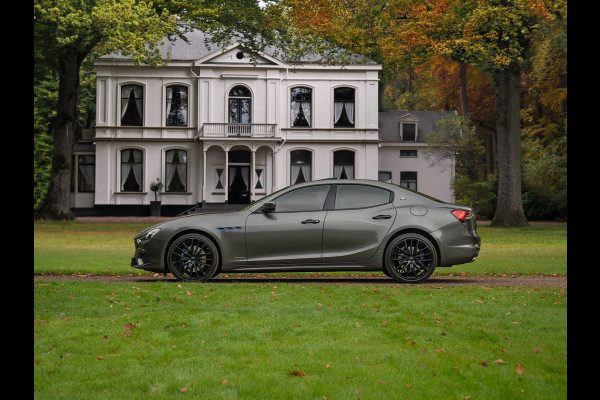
{"type": "Point", "coordinates": [360, 196]}
{"type": "Point", "coordinates": [311, 198]}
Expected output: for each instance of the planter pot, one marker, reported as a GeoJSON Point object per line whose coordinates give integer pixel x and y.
{"type": "Point", "coordinates": [155, 208]}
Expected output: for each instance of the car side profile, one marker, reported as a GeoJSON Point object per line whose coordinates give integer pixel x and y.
{"type": "Point", "coordinates": [327, 225]}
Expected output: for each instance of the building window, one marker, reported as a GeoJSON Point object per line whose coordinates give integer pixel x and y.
{"type": "Point", "coordinates": [343, 107]}
{"type": "Point", "coordinates": [86, 168]}
{"type": "Point", "coordinates": [240, 105]}
{"type": "Point", "coordinates": [132, 105]}
{"type": "Point", "coordinates": [408, 153]}
{"type": "Point", "coordinates": [343, 164]}
{"type": "Point", "coordinates": [131, 170]}
{"type": "Point", "coordinates": [384, 176]}
{"type": "Point", "coordinates": [300, 107]}
{"type": "Point", "coordinates": [176, 171]}
{"type": "Point", "coordinates": [408, 179]}
{"type": "Point", "coordinates": [408, 132]}
{"type": "Point", "coordinates": [300, 166]}
{"type": "Point", "coordinates": [177, 106]}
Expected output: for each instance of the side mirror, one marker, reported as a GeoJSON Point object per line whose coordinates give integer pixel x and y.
{"type": "Point", "coordinates": [268, 207]}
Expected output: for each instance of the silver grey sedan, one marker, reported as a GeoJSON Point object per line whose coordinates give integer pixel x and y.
{"type": "Point", "coordinates": [327, 225]}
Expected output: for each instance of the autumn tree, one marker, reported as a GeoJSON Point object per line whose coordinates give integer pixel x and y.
{"type": "Point", "coordinates": [494, 35]}
{"type": "Point", "coordinates": [67, 32]}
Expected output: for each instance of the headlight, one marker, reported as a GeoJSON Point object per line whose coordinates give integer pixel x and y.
{"type": "Point", "coordinates": [150, 234]}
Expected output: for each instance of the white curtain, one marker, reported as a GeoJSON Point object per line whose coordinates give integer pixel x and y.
{"type": "Point", "coordinates": [232, 171]}
{"type": "Point", "coordinates": [350, 111]}
{"type": "Point", "coordinates": [169, 96]}
{"type": "Point", "coordinates": [294, 110]}
{"type": "Point", "coordinates": [349, 171]}
{"type": "Point", "coordinates": [87, 171]}
{"type": "Point", "coordinates": [337, 171]}
{"type": "Point", "coordinates": [137, 94]}
{"type": "Point", "coordinates": [306, 171]}
{"type": "Point", "coordinates": [125, 167]}
{"type": "Point", "coordinates": [295, 169]}
{"type": "Point", "coordinates": [338, 106]}
{"type": "Point", "coordinates": [169, 167]}
{"type": "Point", "coordinates": [244, 172]}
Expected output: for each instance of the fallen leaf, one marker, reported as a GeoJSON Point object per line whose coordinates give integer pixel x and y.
{"type": "Point", "coordinates": [224, 382]}
{"type": "Point", "coordinates": [501, 361]}
{"type": "Point", "coordinates": [483, 363]}
{"type": "Point", "coordinates": [440, 350]}
{"type": "Point", "coordinates": [183, 390]}
{"type": "Point", "coordinates": [297, 373]}
{"type": "Point", "coordinates": [519, 369]}
{"type": "Point", "coordinates": [129, 326]}
{"type": "Point", "coordinates": [100, 358]}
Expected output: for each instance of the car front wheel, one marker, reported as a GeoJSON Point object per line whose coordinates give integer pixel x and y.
{"type": "Point", "coordinates": [410, 258]}
{"type": "Point", "coordinates": [193, 257]}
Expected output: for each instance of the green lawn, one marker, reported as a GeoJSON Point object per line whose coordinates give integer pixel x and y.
{"type": "Point", "coordinates": [292, 341]}
{"type": "Point", "coordinates": [107, 248]}
{"type": "Point", "coordinates": [237, 340]}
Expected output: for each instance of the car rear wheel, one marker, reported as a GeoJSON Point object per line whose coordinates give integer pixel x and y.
{"type": "Point", "coordinates": [193, 257]}
{"type": "Point", "coordinates": [410, 258]}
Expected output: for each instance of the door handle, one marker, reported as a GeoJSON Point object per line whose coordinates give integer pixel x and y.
{"type": "Point", "coordinates": [310, 221]}
{"type": "Point", "coordinates": [382, 217]}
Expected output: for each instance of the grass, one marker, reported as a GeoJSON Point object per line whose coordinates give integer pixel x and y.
{"type": "Point", "coordinates": [290, 341]}
{"type": "Point", "coordinates": [234, 340]}
{"type": "Point", "coordinates": [107, 248]}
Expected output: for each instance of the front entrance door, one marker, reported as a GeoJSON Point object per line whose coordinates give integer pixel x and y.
{"type": "Point", "coordinates": [239, 177]}
{"type": "Point", "coordinates": [239, 184]}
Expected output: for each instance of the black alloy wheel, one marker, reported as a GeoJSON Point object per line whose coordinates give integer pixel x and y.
{"type": "Point", "coordinates": [193, 257]}
{"type": "Point", "coordinates": [410, 258]}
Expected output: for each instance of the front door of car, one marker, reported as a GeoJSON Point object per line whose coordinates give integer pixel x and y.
{"type": "Point", "coordinates": [293, 233]}
{"type": "Point", "coordinates": [360, 219]}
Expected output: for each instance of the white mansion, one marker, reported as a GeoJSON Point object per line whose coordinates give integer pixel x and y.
{"type": "Point", "coordinates": [216, 127]}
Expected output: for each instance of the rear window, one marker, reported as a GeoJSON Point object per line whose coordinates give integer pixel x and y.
{"type": "Point", "coordinates": [360, 196]}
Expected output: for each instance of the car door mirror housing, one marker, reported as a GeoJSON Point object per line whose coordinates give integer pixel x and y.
{"type": "Point", "coordinates": [268, 207]}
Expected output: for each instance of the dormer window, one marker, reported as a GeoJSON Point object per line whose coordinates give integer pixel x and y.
{"type": "Point", "coordinates": [408, 131]}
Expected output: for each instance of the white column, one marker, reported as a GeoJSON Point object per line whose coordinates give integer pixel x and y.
{"type": "Point", "coordinates": [226, 175]}
{"type": "Point", "coordinates": [204, 177]}
{"type": "Point", "coordinates": [252, 183]}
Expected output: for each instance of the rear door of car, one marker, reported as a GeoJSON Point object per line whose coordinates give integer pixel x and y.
{"type": "Point", "coordinates": [357, 222]}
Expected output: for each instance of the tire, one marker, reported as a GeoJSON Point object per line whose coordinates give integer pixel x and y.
{"type": "Point", "coordinates": [410, 258]}
{"type": "Point", "coordinates": [193, 257]}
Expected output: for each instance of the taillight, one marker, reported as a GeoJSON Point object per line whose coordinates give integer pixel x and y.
{"type": "Point", "coordinates": [461, 215]}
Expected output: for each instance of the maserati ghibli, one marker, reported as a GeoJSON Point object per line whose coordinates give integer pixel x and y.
{"type": "Point", "coordinates": [326, 225]}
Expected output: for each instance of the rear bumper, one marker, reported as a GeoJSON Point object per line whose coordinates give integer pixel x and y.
{"type": "Point", "coordinates": [458, 245]}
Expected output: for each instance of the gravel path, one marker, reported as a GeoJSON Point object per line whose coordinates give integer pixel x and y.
{"type": "Point", "coordinates": [534, 281]}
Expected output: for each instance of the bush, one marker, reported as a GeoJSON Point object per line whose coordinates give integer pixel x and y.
{"type": "Point", "coordinates": [481, 196]}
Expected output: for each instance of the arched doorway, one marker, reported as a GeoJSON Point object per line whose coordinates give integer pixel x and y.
{"type": "Point", "coordinates": [239, 163]}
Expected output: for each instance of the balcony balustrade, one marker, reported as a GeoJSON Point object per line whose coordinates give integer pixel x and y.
{"type": "Point", "coordinates": [238, 130]}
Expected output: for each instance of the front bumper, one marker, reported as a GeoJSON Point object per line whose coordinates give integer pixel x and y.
{"type": "Point", "coordinates": [148, 256]}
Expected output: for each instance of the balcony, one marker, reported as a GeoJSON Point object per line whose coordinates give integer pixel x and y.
{"type": "Point", "coordinates": [222, 130]}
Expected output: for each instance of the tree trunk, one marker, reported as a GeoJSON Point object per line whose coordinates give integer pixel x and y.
{"type": "Point", "coordinates": [57, 204]}
{"type": "Point", "coordinates": [509, 210]}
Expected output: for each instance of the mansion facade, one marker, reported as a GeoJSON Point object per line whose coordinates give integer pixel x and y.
{"type": "Point", "coordinates": [217, 127]}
